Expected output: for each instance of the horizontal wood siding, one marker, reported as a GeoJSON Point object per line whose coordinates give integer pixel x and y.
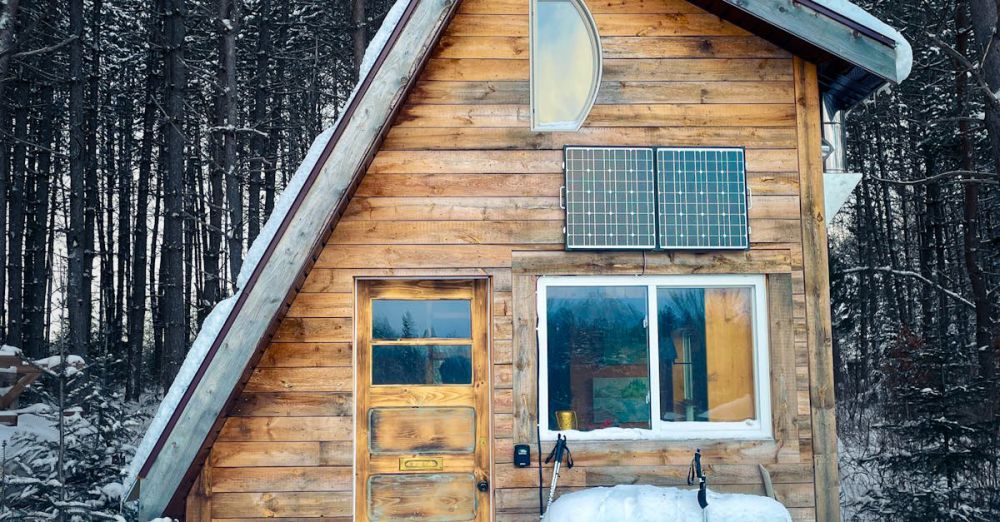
{"type": "Point", "coordinates": [461, 187]}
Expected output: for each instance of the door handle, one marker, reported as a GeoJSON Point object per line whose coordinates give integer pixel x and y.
{"type": "Point", "coordinates": [483, 485]}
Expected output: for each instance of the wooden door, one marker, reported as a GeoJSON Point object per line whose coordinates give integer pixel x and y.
{"type": "Point", "coordinates": [423, 401]}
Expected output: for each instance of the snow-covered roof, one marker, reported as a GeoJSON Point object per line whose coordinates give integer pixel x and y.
{"type": "Point", "coordinates": [318, 165]}
{"type": "Point", "coordinates": [215, 363]}
{"type": "Point", "coordinates": [856, 53]}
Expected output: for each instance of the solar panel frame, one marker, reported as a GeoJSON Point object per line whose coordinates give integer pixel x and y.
{"type": "Point", "coordinates": [722, 194]}
{"type": "Point", "coordinates": [597, 218]}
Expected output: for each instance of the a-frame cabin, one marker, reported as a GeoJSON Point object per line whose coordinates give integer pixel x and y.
{"type": "Point", "coordinates": [610, 212]}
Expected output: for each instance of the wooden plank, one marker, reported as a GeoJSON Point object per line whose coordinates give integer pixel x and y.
{"type": "Point", "coordinates": [469, 162]}
{"type": "Point", "coordinates": [422, 256]}
{"type": "Point", "coordinates": [255, 454]}
{"type": "Point", "coordinates": [342, 279]}
{"type": "Point", "coordinates": [486, 185]}
{"type": "Point", "coordinates": [322, 305]}
{"type": "Point", "coordinates": [782, 351]}
{"type": "Point", "coordinates": [319, 330]}
{"type": "Point", "coordinates": [319, 379]}
{"type": "Point", "coordinates": [617, 47]}
{"type": "Point", "coordinates": [425, 429]}
{"type": "Point", "coordinates": [498, 138]}
{"type": "Point", "coordinates": [293, 404]}
{"type": "Point", "coordinates": [447, 232]}
{"type": "Point", "coordinates": [657, 475]}
{"type": "Point", "coordinates": [273, 479]}
{"type": "Point", "coordinates": [198, 507]}
{"type": "Point", "coordinates": [453, 209]}
{"type": "Point", "coordinates": [658, 115]}
{"type": "Point", "coordinates": [261, 301]}
{"type": "Point", "coordinates": [526, 499]}
{"type": "Point", "coordinates": [519, 7]}
{"type": "Point", "coordinates": [653, 453]}
{"type": "Point", "coordinates": [817, 294]}
{"type": "Point", "coordinates": [611, 93]}
{"type": "Point", "coordinates": [281, 504]}
{"type": "Point", "coordinates": [663, 263]}
{"type": "Point", "coordinates": [638, 69]}
{"type": "Point", "coordinates": [289, 355]}
{"type": "Point", "coordinates": [608, 24]}
{"type": "Point", "coordinates": [826, 33]}
{"type": "Point", "coordinates": [524, 383]}
{"type": "Point", "coordinates": [291, 429]}
{"type": "Point", "coordinates": [440, 496]}
{"type": "Point", "coordinates": [540, 162]}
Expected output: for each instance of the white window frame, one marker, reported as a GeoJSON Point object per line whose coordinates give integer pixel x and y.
{"type": "Point", "coordinates": [758, 429]}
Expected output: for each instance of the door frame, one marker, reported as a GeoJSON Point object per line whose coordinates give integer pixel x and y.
{"type": "Point", "coordinates": [482, 289]}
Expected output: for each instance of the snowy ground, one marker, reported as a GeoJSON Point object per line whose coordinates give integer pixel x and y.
{"type": "Point", "coordinates": [658, 504]}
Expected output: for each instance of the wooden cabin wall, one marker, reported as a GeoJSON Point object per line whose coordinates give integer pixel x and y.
{"type": "Point", "coordinates": [459, 187]}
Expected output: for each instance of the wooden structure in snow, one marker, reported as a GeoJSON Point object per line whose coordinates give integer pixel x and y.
{"type": "Point", "coordinates": [438, 277]}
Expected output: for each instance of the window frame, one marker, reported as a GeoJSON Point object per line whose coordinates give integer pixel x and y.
{"type": "Point", "coordinates": [595, 36]}
{"type": "Point", "coordinates": [758, 429]}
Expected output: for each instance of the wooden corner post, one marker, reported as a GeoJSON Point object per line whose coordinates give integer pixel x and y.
{"type": "Point", "coordinates": [819, 328]}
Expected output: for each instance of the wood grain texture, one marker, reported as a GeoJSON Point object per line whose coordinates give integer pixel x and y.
{"type": "Point", "coordinates": [817, 294]}
{"type": "Point", "coordinates": [462, 187]}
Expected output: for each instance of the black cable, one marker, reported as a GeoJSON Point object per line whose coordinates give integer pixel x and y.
{"type": "Point", "coordinates": [538, 416]}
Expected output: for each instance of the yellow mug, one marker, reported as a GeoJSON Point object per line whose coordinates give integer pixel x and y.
{"type": "Point", "coordinates": [566, 420]}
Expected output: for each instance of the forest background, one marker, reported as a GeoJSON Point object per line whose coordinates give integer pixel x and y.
{"type": "Point", "coordinates": [143, 143]}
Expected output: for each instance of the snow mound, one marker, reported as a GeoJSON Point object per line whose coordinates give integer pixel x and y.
{"type": "Point", "coordinates": [8, 350]}
{"type": "Point", "coordinates": [656, 504]}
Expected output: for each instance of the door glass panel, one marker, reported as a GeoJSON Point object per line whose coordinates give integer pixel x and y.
{"type": "Point", "coordinates": [413, 319]}
{"type": "Point", "coordinates": [598, 356]}
{"type": "Point", "coordinates": [706, 354]}
{"type": "Point", "coordinates": [436, 497]}
{"type": "Point", "coordinates": [421, 364]}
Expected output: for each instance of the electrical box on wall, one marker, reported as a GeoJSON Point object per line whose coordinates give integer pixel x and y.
{"type": "Point", "coordinates": [522, 455]}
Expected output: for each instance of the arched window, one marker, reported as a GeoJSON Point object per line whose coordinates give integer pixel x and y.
{"type": "Point", "coordinates": [565, 64]}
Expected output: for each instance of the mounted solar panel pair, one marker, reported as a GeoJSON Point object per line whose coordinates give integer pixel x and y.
{"type": "Point", "coordinates": [646, 198]}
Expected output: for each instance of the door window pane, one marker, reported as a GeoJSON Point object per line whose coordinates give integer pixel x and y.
{"type": "Point", "coordinates": [706, 354]}
{"type": "Point", "coordinates": [413, 319]}
{"type": "Point", "coordinates": [598, 356]}
{"type": "Point", "coordinates": [421, 364]}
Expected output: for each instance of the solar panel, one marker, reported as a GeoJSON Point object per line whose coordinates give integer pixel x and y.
{"type": "Point", "coordinates": [702, 198]}
{"type": "Point", "coordinates": [610, 200]}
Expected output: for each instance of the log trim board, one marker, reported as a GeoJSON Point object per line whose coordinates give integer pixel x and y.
{"type": "Point", "coordinates": [817, 292]}
{"type": "Point", "coordinates": [460, 188]}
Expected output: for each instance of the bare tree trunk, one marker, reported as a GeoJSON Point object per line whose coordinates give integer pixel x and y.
{"type": "Point", "coordinates": [91, 190]}
{"type": "Point", "coordinates": [970, 210]}
{"type": "Point", "coordinates": [137, 292]}
{"type": "Point", "coordinates": [360, 36]}
{"type": "Point", "coordinates": [172, 268]}
{"type": "Point", "coordinates": [76, 293]}
{"type": "Point", "coordinates": [226, 117]}
{"type": "Point", "coordinates": [984, 25]}
{"type": "Point", "coordinates": [9, 18]}
{"type": "Point", "coordinates": [15, 230]}
{"type": "Point", "coordinates": [36, 252]}
{"type": "Point", "coordinates": [258, 139]}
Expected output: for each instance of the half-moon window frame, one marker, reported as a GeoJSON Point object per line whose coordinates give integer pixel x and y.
{"type": "Point", "coordinates": [558, 53]}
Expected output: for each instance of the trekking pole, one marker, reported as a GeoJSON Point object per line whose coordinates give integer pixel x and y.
{"type": "Point", "coordinates": [695, 472]}
{"type": "Point", "coordinates": [558, 453]}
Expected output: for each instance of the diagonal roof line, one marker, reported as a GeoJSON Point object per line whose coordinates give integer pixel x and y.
{"type": "Point", "coordinates": [272, 245]}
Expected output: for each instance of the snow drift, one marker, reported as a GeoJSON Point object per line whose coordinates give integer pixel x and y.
{"type": "Point", "coordinates": [659, 504]}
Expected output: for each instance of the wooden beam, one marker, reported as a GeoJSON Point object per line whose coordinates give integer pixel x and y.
{"type": "Point", "coordinates": [659, 263]}
{"type": "Point", "coordinates": [819, 331]}
{"type": "Point", "coordinates": [825, 33]}
{"type": "Point", "coordinates": [294, 250]}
